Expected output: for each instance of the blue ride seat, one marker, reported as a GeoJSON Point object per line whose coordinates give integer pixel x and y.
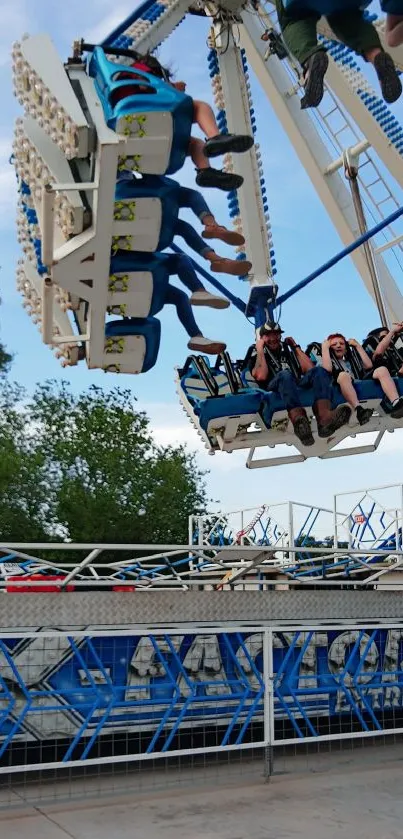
{"type": "Point", "coordinates": [367, 390]}
{"type": "Point", "coordinates": [132, 345]}
{"type": "Point", "coordinates": [155, 211]}
{"type": "Point", "coordinates": [137, 284]}
{"type": "Point", "coordinates": [243, 405]}
{"type": "Point", "coordinates": [157, 123]}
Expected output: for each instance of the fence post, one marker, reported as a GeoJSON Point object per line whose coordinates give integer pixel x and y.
{"type": "Point", "coordinates": [268, 702]}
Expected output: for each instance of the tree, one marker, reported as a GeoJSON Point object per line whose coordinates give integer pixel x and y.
{"type": "Point", "coordinates": [86, 468]}
{"type": "Point", "coordinates": [23, 492]}
{"type": "Point", "coordinates": [5, 358]}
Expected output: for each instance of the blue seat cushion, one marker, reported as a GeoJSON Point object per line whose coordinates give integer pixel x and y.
{"type": "Point", "coordinates": [227, 406]}
{"type": "Point", "coordinates": [150, 328]}
{"type": "Point", "coordinates": [366, 389]}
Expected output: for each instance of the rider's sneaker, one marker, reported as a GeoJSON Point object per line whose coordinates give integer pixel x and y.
{"type": "Point", "coordinates": [315, 70]}
{"type": "Point", "coordinates": [388, 76]}
{"type": "Point", "coordinates": [217, 178]}
{"type": "Point", "coordinates": [201, 344]}
{"type": "Point", "coordinates": [204, 298]}
{"type": "Point", "coordinates": [224, 143]}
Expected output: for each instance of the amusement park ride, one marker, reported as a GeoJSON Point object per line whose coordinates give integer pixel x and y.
{"type": "Point", "coordinates": [84, 236]}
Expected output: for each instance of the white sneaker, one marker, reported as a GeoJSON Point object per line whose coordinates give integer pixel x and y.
{"type": "Point", "coordinates": [206, 345]}
{"type": "Point", "coordinates": [204, 298]}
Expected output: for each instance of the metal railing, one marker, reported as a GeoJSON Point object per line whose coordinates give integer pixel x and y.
{"type": "Point", "coordinates": [25, 567]}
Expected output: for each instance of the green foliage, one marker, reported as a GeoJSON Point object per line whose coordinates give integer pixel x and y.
{"type": "Point", "coordinates": [85, 468]}
{"type": "Point", "coordinates": [5, 359]}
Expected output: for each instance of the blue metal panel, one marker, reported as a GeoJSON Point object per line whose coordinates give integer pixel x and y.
{"type": "Point", "coordinates": [161, 685]}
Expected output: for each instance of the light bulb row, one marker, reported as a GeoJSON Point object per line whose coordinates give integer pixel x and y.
{"type": "Point", "coordinates": [32, 303]}
{"type": "Point", "coordinates": [27, 237]}
{"type": "Point", "coordinates": [40, 103]}
{"type": "Point", "coordinates": [32, 169]}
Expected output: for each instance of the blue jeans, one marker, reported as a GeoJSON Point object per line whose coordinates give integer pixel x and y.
{"type": "Point", "coordinates": [178, 298]}
{"type": "Point", "coordinates": [179, 264]}
{"type": "Point", "coordinates": [192, 200]}
{"type": "Point", "coordinates": [187, 232]}
{"type": "Point", "coordinates": [286, 385]}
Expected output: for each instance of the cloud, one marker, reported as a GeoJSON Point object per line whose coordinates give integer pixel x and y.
{"type": "Point", "coordinates": [15, 21]}
{"type": "Point", "coordinates": [8, 190]}
{"type": "Point", "coordinates": [109, 23]}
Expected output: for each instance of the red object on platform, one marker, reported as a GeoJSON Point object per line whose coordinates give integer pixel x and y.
{"type": "Point", "coordinates": [32, 588]}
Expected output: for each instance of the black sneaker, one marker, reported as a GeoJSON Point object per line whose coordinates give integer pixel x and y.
{"type": "Point", "coordinates": [341, 417]}
{"type": "Point", "coordinates": [223, 143]}
{"type": "Point", "coordinates": [315, 70]}
{"type": "Point", "coordinates": [388, 76]}
{"type": "Point", "coordinates": [226, 181]}
{"type": "Point", "coordinates": [302, 429]}
{"type": "Point", "coordinates": [364, 414]}
{"type": "Point", "coordinates": [397, 409]}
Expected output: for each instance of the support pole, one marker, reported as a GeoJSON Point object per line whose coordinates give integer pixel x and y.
{"type": "Point", "coordinates": [48, 209]}
{"type": "Point", "coordinates": [47, 310]}
{"type": "Point", "coordinates": [351, 175]}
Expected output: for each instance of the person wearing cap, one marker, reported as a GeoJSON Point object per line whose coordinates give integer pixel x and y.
{"type": "Point", "coordinates": [282, 367]}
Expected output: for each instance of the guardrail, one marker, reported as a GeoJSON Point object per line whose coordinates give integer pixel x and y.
{"type": "Point", "coordinates": [41, 565]}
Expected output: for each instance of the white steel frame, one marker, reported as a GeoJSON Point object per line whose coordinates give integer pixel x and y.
{"type": "Point", "coordinates": [208, 565]}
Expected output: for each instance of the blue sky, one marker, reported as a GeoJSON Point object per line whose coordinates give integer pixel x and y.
{"type": "Point", "coordinates": [303, 238]}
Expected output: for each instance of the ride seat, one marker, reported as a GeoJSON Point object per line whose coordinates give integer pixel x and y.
{"type": "Point", "coordinates": [137, 284]}
{"type": "Point", "coordinates": [224, 411]}
{"type": "Point", "coordinates": [197, 391]}
{"type": "Point", "coordinates": [156, 122]}
{"type": "Point", "coordinates": [146, 213]}
{"type": "Point", "coordinates": [216, 412]}
{"type": "Point", "coordinates": [131, 345]}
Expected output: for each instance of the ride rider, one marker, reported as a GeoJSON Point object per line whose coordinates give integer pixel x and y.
{"type": "Point", "coordinates": [347, 360]}
{"type": "Point", "coordinates": [200, 151]}
{"type": "Point", "coordinates": [298, 20]}
{"type": "Point", "coordinates": [282, 367]}
{"type": "Point", "coordinates": [380, 346]}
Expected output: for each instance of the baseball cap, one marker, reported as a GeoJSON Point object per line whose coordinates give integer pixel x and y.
{"type": "Point", "coordinates": [270, 327]}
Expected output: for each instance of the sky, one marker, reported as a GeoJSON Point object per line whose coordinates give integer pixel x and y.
{"type": "Point", "coordinates": [303, 238]}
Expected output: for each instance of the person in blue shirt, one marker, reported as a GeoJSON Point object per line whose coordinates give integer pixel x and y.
{"type": "Point", "coordinates": [298, 23]}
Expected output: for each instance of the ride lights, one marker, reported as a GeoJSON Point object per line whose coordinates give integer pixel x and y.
{"type": "Point", "coordinates": [228, 162]}
{"type": "Point", "coordinates": [34, 171]}
{"type": "Point", "coordinates": [43, 88]}
{"type": "Point", "coordinates": [121, 243]}
{"type": "Point", "coordinates": [129, 163]}
{"type": "Point", "coordinates": [124, 211]}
